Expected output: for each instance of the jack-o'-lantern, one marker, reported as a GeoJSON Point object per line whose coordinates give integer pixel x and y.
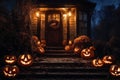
{"type": "Point", "coordinates": [41, 50]}
{"type": "Point", "coordinates": [10, 59]}
{"type": "Point", "coordinates": [25, 60]}
{"type": "Point", "coordinates": [97, 62]}
{"type": "Point", "coordinates": [87, 53]}
{"type": "Point", "coordinates": [10, 71]}
{"type": "Point", "coordinates": [108, 59]}
{"type": "Point", "coordinates": [77, 50]}
{"type": "Point", "coordinates": [115, 70]}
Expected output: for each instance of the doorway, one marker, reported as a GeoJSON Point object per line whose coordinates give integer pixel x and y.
{"type": "Point", "coordinates": [53, 28]}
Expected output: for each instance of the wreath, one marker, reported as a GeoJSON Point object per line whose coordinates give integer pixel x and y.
{"type": "Point", "coordinates": [54, 24]}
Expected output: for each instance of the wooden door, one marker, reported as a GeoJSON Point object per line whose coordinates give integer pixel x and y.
{"type": "Point", "coordinates": [53, 29]}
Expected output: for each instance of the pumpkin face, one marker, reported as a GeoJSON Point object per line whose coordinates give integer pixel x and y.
{"type": "Point", "coordinates": [87, 53]}
{"type": "Point", "coordinates": [10, 71]}
{"type": "Point", "coordinates": [108, 59]}
{"type": "Point", "coordinates": [97, 63]}
{"type": "Point", "coordinates": [25, 60]}
{"type": "Point", "coordinates": [115, 70]}
{"type": "Point", "coordinates": [10, 59]}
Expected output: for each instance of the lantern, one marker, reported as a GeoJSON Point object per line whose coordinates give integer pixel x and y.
{"type": "Point", "coordinates": [108, 59]}
{"type": "Point", "coordinates": [87, 53]}
{"type": "Point", "coordinates": [115, 70]}
{"type": "Point", "coordinates": [25, 60]}
{"type": "Point", "coordinates": [10, 59]}
{"type": "Point", "coordinates": [70, 42]}
{"type": "Point", "coordinates": [77, 50]}
{"type": "Point", "coordinates": [10, 71]}
{"type": "Point", "coordinates": [97, 62]}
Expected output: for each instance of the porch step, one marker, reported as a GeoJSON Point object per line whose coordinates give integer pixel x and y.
{"type": "Point", "coordinates": [56, 64]}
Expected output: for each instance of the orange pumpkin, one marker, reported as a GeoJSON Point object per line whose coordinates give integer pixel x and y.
{"type": "Point", "coordinates": [108, 59]}
{"type": "Point", "coordinates": [97, 63]}
{"type": "Point", "coordinates": [77, 50]}
{"type": "Point", "coordinates": [10, 59]}
{"type": "Point", "coordinates": [115, 70]}
{"type": "Point", "coordinates": [25, 60]}
{"type": "Point", "coordinates": [87, 53]}
{"type": "Point", "coordinates": [68, 48]}
{"type": "Point", "coordinates": [10, 71]}
{"type": "Point", "coordinates": [40, 50]}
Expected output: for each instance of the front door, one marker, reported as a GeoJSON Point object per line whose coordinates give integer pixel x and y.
{"type": "Point", "coordinates": [53, 28]}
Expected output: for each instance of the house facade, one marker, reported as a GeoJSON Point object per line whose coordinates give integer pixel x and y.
{"type": "Point", "coordinates": [59, 21]}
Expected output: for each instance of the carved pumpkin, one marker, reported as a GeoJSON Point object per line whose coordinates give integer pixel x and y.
{"type": "Point", "coordinates": [10, 71]}
{"type": "Point", "coordinates": [10, 59]}
{"type": "Point", "coordinates": [87, 53]}
{"type": "Point", "coordinates": [115, 70]}
{"type": "Point", "coordinates": [77, 50]}
{"type": "Point", "coordinates": [97, 62]}
{"type": "Point", "coordinates": [108, 59]}
{"type": "Point", "coordinates": [25, 60]}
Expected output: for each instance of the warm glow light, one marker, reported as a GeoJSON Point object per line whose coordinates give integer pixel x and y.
{"type": "Point", "coordinates": [69, 13]}
{"type": "Point", "coordinates": [37, 14]}
{"type": "Point", "coordinates": [64, 15]}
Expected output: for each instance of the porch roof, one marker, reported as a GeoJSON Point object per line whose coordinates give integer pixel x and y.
{"type": "Point", "coordinates": [63, 3]}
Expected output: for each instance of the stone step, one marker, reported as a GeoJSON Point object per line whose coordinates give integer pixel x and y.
{"type": "Point", "coordinates": [62, 55]}
{"type": "Point", "coordinates": [63, 75]}
{"type": "Point", "coordinates": [67, 69]}
{"type": "Point", "coordinates": [54, 48]}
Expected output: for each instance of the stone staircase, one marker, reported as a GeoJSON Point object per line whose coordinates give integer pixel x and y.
{"type": "Point", "coordinates": [56, 64]}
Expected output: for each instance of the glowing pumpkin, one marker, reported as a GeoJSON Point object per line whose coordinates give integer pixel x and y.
{"type": "Point", "coordinates": [10, 71]}
{"type": "Point", "coordinates": [25, 60]}
{"type": "Point", "coordinates": [68, 48]}
{"type": "Point", "coordinates": [108, 59]}
{"type": "Point", "coordinates": [87, 53]}
{"type": "Point", "coordinates": [115, 70]}
{"type": "Point", "coordinates": [97, 62]}
{"type": "Point", "coordinates": [77, 50]}
{"type": "Point", "coordinates": [10, 59]}
{"type": "Point", "coordinates": [38, 43]}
